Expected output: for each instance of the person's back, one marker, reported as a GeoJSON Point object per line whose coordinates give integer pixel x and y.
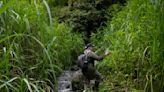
{"type": "Point", "coordinates": [86, 63]}
{"type": "Point", "coordinates": [92, 56]}
{"type": "Point", "coordinates": [90, 72]}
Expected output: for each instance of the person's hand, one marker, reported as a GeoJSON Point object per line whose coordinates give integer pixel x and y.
{"type": "Point", "coordinates": [107, 52]}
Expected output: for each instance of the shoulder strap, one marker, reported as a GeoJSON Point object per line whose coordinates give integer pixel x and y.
{"type": "Point", "coordinates": [86, 55]}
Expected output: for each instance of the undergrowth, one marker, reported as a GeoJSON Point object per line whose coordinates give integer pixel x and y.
{"type": "Point", "coordinates": [34, 47]}
{"type": "Point", "coordinates": [134, 37]}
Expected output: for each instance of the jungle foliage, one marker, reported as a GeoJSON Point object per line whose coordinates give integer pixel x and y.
{"type": "Point", "coordinates": [135, 38]}
{"type": "Point", "coordinates": [34, 47]}
{"type": "Point", "coordinates": [40, 38]}
{"type": "Point", "coordinates": [86, 16]}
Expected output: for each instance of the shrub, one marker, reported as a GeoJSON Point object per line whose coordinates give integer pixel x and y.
{"type": "Point", "coordinates": [132, 36]}
{"type": "Point", "coordinates": [34, 47]}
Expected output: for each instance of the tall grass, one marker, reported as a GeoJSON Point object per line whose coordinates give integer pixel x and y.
{"type": "Point", "coordinates": [135, 38]}
{"type": "Point", "coordinates": [159, 26]}
{"type": "Point", "coordinates": [34, 47]}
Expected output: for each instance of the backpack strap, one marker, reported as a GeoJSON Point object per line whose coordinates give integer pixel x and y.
{"type": "Point", "coordinates": [86, 57]}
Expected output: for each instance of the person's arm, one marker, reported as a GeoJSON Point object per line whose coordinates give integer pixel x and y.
{"type": "Point", "coordinates": [95, 56]}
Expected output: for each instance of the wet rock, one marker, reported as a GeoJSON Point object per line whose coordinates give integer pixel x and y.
{"type": "Point", "coordinates": [70, 80]}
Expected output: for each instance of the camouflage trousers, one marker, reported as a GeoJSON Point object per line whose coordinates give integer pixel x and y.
{"type": "Point", "coordinates": [91, 73]}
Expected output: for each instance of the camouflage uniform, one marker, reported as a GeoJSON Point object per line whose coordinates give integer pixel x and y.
{"type": "Point", "coordinates": [88, 68]}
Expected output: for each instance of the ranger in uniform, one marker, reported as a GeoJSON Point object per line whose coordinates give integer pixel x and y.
{"type": "Point", "coordinates": [86, 63]}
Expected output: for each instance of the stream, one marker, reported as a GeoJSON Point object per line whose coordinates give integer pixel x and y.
{"type": "Point", "coordinates": [70, 80]}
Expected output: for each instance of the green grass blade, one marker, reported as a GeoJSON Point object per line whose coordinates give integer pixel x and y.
{"type": "Point", "coordinates": [35, 87]}
{"type": "Point", "coordinates": [28, 84]}
{"type": "Point", "coordinates": [49, 13]}
{"type": "Point", "coordinates": [7, 83]}
{"type": "Point", "coordinates": [6, 6]}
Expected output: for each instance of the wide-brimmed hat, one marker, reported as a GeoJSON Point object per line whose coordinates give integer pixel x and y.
{"type": "Point", "coordinates": [89, 45]}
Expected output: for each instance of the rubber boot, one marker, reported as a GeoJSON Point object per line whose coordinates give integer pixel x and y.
{"type": "Point", "coordinates": [96, 86]}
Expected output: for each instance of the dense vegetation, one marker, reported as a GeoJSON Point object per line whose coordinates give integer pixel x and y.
{"type": "Point", "coordinates": [40, 38]}
{"type": "Point", "coordinates": [135, 37]}
{"type": "Point", "coordinates": [33, 46]}
{"type": "Point", "coordinates": [85, 16]}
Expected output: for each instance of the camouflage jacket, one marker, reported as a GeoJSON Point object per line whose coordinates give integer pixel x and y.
{"type": "Point", "coordinates": [92, 56]}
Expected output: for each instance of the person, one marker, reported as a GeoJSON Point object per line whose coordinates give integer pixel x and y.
{"type": "Point", "coordinates": [86, 62]}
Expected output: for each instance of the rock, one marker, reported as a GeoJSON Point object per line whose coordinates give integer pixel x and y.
{"type": "Point", "coordinates": [69, 80]}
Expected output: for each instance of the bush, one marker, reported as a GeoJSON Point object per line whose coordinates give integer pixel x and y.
{"type": "Point", "coordinates": [34, 48]}
{"type": "Point", "coordinates": [132, 36]}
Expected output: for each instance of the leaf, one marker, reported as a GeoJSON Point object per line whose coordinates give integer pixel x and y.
{"type": "Point", "coordinates": [8, 82]}
{"type": "Point", "coordinates": [28, 84]}
{"type": "Point", "coordinates": [49, 12]}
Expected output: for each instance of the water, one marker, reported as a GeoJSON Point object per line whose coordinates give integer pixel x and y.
{"type": "Point", "coordinates": [66, 79]}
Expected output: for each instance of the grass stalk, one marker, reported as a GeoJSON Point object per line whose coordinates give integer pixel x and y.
{"type": "Point", "coordinates": [49, 13]}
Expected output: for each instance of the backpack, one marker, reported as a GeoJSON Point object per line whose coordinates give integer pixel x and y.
{"type": "Point", "coordinates": [87, 68]}
{"type": "Point", "coordinates": [82, 61]}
